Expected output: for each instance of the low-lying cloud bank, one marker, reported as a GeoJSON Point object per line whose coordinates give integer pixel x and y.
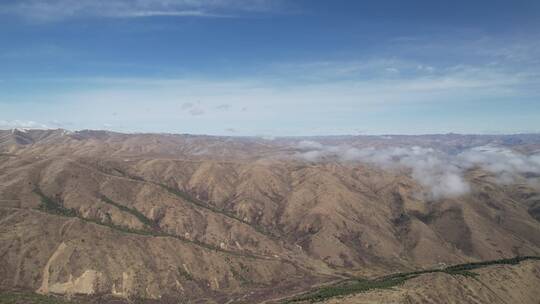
{"type": "Point", "coordinates": [440, 172]}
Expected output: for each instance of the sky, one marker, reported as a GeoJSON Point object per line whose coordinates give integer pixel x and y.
{"type": "Point", "coordinates": [271, 67]}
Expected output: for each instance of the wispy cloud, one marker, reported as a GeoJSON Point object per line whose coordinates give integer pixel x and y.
{"type": "Point", "coordinates": [394, 94]}
{"type": "Point", "coordinates": [433, 169]}
{"type": "Point", "coordinates": [440, 173]}
{"type": "Point", "coordinates": [224, 107]}
{"type": "Point", "coordinates": [23, 124]}
{"type": "Point", "coordinates": [190, 13]}
{"type": "Point", "coordinates": [297, 107]}
{"type": "Point", "coordinates": [54, 10]}
{"type": "Point", "coordinates": [187, 105]}
{"type": "Point", "coordinates": [420, 75]}
{"type": "Point", "coordinates": [194, 109]}
{"type": "Point", "coordinates": [504, 163]}
{"type": "Point", "coordinates": [309, 145]}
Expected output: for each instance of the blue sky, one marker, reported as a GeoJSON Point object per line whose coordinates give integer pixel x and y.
{"type": "Point", "coordinates": [263, 67]}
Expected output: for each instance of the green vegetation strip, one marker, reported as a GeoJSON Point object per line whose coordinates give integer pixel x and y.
{"type": "Point", "coordinates": [354, 286]}
{"type": "Point", "coordinates": [13, 297]}
{"type": "Point", "coordinates": [53, 207]}
{"type": "Point", "coordinates": [188, 198]}
{"type": "Point", "coordinates": [141, 217]}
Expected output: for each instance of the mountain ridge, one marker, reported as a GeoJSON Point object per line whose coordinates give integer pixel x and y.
{"type": "Point", "coordinates": [159, 216]}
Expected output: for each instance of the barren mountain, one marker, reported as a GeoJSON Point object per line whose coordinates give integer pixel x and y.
{"type": "Point", "coordinates": [207, 219]}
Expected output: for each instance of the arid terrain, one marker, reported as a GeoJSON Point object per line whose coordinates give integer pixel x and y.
{"type": "Point", "coordinates": [495, 284]}
{"type": "Point", "coordinates": [168, 218]}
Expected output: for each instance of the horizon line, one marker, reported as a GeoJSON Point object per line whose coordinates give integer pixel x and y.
{"type": "Point", "coordinates": [269, 135]}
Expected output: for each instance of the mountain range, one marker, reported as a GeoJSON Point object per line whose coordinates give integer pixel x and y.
{"type": "Point", "coordinates": [168, 218]}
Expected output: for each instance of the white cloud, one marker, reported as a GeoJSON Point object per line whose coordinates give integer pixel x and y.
{"type": "Point", "coordinates": [334, 97]}
{"type": "Point", "coordinates": [442, 174]}
{"type": "Point", "coordinates": [23, 124]}
{"type": "Point", "coordinates": [224, 107]}
{"type": "Point", "coordinates": [432, 169]}
{"type": "Point", "coordinates": [312, 156]}
{"type": "Point", "coordinates": [425, 68]}
{"type": "Point", "coordinates": [285, 109]}
{"type": "Point", "coordinates": [505, 164]}
{"type": "Point", "coordinates": [196, 111]}
{"type": "Point", "coordinates": [190, 13]}
{"type": "Point", "coordinates": [267, 137]}
{"type": "Point", "coordinates": [187, 105]}
{"type": "Point", "coordinates": [53, 10]}
{"type": "Point", "coordinates": [308, 144]}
